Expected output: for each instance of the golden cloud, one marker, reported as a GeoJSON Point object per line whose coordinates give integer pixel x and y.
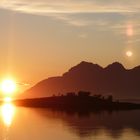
{"type": "Point", "coordinates": [70, 6]}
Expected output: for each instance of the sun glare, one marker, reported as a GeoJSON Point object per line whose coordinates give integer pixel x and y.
{"type": "Point", "coordinates": [8, 86]}
{"type": "Point", "coordinates": [7, 100]}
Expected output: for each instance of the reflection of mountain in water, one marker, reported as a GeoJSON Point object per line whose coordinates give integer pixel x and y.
{"type": "Point", "coordinates": [112, 123]}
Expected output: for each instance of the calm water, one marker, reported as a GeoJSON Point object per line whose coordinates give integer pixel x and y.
{"type": "Point", "coordinates": [19, 123]}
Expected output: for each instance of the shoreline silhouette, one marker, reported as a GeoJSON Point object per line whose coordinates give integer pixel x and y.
{"type": "Point", "coordinates": [81, 101]}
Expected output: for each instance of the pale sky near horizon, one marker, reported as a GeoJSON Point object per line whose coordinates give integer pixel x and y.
{"type": "Point", "coordinates": [42, 38]}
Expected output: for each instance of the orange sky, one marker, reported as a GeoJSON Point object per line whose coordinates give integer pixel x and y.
{"type": "Point", "coordinates": [43, 38]}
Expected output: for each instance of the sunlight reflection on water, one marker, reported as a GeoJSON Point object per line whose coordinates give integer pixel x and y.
{"type": "Point", "coordinates": [7, 113]}
{"type": "Point", "coordinates": [40, 123]}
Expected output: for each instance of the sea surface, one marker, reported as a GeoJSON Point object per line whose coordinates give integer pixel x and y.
{"type": "Point", "coordinates": [22, 123]}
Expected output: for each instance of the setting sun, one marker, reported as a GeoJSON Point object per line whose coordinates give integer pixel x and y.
{"type": "Point", "coordinates": [8, 86]}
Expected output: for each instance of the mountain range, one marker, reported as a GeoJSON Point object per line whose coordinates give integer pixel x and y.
{"type": "Point", "coordinates": [114, 80]}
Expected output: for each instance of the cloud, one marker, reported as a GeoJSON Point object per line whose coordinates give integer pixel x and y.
{"type": "Point", "coordinates": [125, 26]}
{"type": "Point", "coordinates": [72, 19]}
{"type": "Point", "coordinates": [23, 84]}
{"type": "Point", "coordinates": [133, 41]}
{"type": "Point", "coordinates": [44, 7]}
{"type": "Point", "coordinates": [67, 11]}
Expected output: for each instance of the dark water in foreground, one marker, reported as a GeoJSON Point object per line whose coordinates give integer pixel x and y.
{"type": "Point", "coordinates": [19, 123]}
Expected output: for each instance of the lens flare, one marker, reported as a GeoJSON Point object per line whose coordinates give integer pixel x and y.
{"type": "Point", "coordinates": [130, 30]}
{"type": "Point", "coordinates": [129, 53]}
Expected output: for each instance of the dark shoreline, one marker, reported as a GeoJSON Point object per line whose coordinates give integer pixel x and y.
{"type": "Point", "coordinates": [76, 103]}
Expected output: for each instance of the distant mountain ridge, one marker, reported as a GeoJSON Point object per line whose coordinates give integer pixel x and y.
{"type": "Point", "coordinates": [113, 79]}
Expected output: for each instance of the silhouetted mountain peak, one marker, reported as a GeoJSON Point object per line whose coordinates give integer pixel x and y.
{"type": "Point", "coordinates": [87, 76]}
{"type": "Point", "coordinates": [85, 64]}
{"type": "Point", "coordinates": [136, 68]}
{"type": "Point", "coordinates": [84, 67]}
{"type": "Point", "coordinates": [115, 66]}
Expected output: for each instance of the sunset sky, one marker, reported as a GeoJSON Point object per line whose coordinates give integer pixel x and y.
{"type": "Point", "coordinates": [42, 38]}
